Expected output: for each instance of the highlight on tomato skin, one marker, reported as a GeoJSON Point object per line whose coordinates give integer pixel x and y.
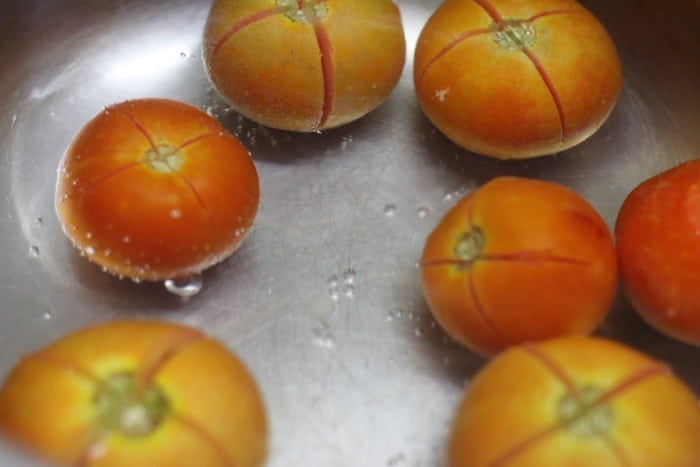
{"type": "Point", "coordinates": [136, 393]}
{"type": "Point", "coordinates": [658, 249]}
{"type": "Point", "coordinates": [518, 260]}
{"type": "Point", "coordinates": [575, 401]}
{"type": "Point", "coordinates": [156, 189]}
{"type": "Point", "coordinates": [304, 65]}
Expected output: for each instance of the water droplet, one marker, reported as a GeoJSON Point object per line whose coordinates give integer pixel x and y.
{"type": "Point", "coordinates": [48, 315]}
{"type": "Point", "coordinates": [175, 213]}
{"type": "Point", "coordinates": [418, 332]}
{"type": "Point", "coordinates": [349, 290]}
{"type": "Point", "coordinates": [323, 337]}
{"type": "Point", "coordinates": [390, 210]}
{"type": "Point", "coordinates": [89, 250]}
{"type": "Point", "coordinates": [185, 288]}
{"type": "Point", "coordinates": [34, 251]}
{"type": "Point", "coordinates": [333, 281]}
{"type": "Point", "coordinates": [423, 212]}
{"type": "Point", "coordinates": [183, 55]}
{"type": "Point", "coordinates": [88, 235]}
{"type": "Point", "coordinates": [349, 276]}
{"type": "Point", "coordinates": [39, 221]}
{"type": "Point", "coordinates": [126, 239]}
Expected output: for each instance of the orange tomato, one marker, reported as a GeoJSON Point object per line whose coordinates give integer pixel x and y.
{"type": "Point", "coordinates": [304, 65]}
{"type": "Point", "coordinates": [514, 79]}
{"type": "Point", "coordinates": [658, 245]}
{"type": "Point", "coordinates": [575, 401]}
{"type": "Point", "coordinates": [135, 393]}
{"type": "Point", "coordinates": [518, 260]}
{"type": "Point", "coordinates": [156, 189]}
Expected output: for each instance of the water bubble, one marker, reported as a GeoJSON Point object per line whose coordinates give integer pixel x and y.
{"type": "Point", "coordinates": [89, 251]}
{"type": "Point", "coordinates": [126, 239]}
{"type": "Point", "coordinates": [323, 337]}
{"type": "Point", "coordinates": [333, 281]}
{"type": "Point", "coordinates": [34, 251]}
{"type": "Point", "coordinates": [48, 315]}
{"type": "Point", "coordinates": [390, 210]}
{"type": "Point", "coordinates": [349, 290]}
{"type": "Point", "coordinates": [88, 235]}
{"type": "Point", "coordinates": [423, 212]}
{"type": "Point", "coordinates": [349, 276]}
{"type": "Point", "coordinates": [175, 213]}
{"type": "Point", "coordinates": [183, 55]}
{"type": "Point", "coordinates": [185, 288]}
{"type": "Point", "coordinates": [39, 221]}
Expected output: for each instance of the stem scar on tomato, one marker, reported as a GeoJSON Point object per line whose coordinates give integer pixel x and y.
{"type": "Point", "coordinates": [469, 247]}
{"type": "Point", "coordinates": [123, 406]}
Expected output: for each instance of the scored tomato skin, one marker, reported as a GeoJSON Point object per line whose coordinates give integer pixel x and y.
{"type": "Point", "coordinates": [508, 103]}
{"type": "Point", "coordinates": [547, 266]}
{"type": "Point", "coordinates": [305, 67]}
{"type": "Point", "coordinates": [216, 414]}
{"type": "Point", "coordinates": [156, 219]}
{"type": "Point", "coordinates": [658, 243]}
{"type": "Point", "coordinates": [510, 414]}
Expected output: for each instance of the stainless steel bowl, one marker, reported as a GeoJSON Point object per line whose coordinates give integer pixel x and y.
{"type": "Point", "coordinates": [323, 300]}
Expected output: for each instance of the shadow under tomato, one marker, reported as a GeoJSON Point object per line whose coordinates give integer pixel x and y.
{"type": "Point", "coordinates": [288, 147]}
{"type": "Point", "coordinates": [129, 297]}
{"type": "Point", "coordinates": [562, 167]}
{"type": "Point", "coordinates": [624, 324]}
{"type": "Point", "coordinates": [451, 361]}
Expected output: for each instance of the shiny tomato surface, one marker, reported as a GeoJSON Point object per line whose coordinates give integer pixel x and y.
{"type": "Point", "coordinates": [156, 189]}
{"type": "Point", "coordinates": [519, 260]}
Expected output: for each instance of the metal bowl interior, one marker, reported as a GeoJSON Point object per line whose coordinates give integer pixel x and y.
{"type": "Point", "coordinates": [323, 300]}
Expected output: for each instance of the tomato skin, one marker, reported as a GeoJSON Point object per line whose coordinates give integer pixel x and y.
{"type": "Point", "coordinates": [633, 410]}
{"type": "Point", "coordinates": [156, 219]}
{"type": "Point", "coordinates": [306, 68]}
{"type": "Point", "coordinates": [215, 417]}
{"type": "Point", "coordinates": [546, 265]}
{"type": "Point", "coordinates": [516, 103]}
{"type": "Point", "coordinates": [658, 243]}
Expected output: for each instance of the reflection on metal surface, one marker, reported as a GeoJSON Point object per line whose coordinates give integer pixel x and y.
{"type": "Point", "coordinates": [322, 301]}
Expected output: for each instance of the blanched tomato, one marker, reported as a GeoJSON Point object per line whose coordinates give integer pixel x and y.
{"type": "Point", "coordinates": [519, 260]}
{"type": "Point", "coordinates": [156, 189]}
{"type": "Point", "coordinates": [135, 393]}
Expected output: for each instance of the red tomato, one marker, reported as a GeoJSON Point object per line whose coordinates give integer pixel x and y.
{"type": "Point", "coordinates": [519, 260]}
{"type": "Point", "coordinates": [135, 393]}
{"type": "Point", "coordinates": [575, 401]}
{"type": "Point", "coordinates": [516, 79]}
{"type": "Point", "coordinates": [156, 189]}
{"type": "Point", "coordinates": [658, 245]}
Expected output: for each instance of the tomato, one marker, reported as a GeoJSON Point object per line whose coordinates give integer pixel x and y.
{"type": "Point", "coordinates": [304, 65]}
{"type": "Point", "coordinates": [156, 189]}
{"type": "Point", "coordinates": [658, 245]}
{"type": "Point", "coordinates": [135, 393]}
{"type": "Point", "coordinates": [514, 79]}
{"type": "Point", "coordinates": [575, 401]}
{"type": "Point", "coordinates": [518, 260]}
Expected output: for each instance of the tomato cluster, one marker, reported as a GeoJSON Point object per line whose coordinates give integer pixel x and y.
{"type": "Point", "coordinates": [519, 269]}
